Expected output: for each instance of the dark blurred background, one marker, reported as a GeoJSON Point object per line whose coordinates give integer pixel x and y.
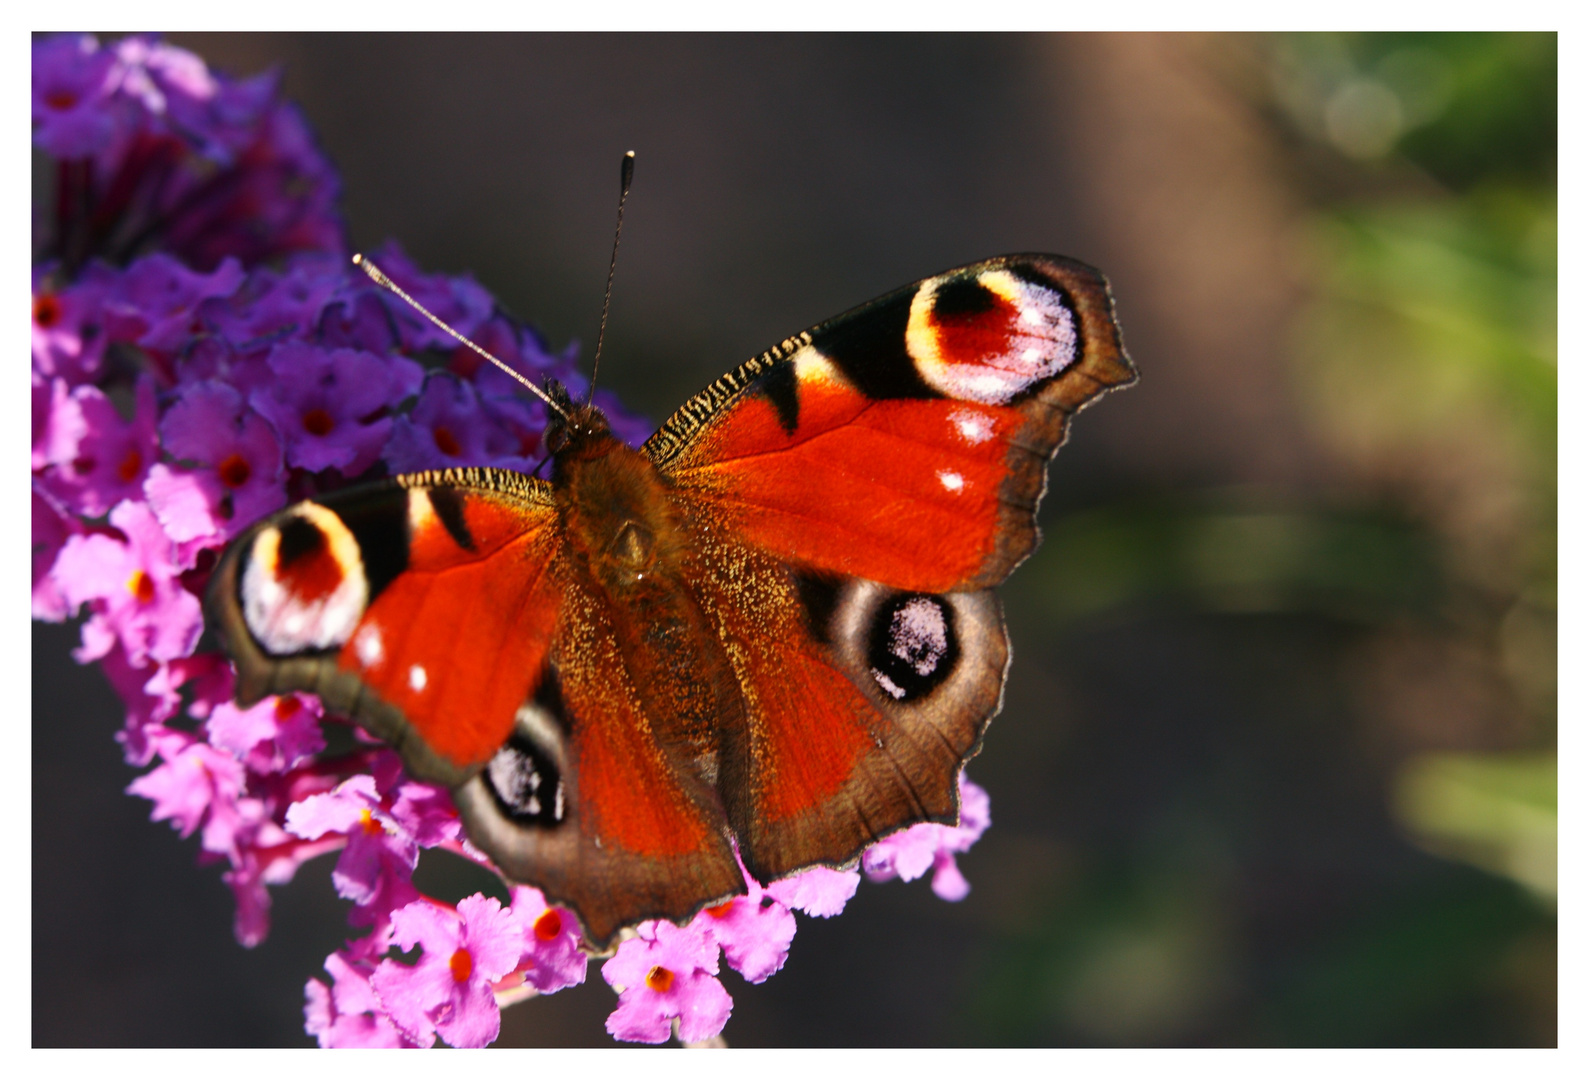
{"type": "Point", "coordinates": [1276, 764]}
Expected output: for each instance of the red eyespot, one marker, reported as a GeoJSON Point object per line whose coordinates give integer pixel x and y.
{"type": "Point", "coordinates": [234, 471]}
{"type": "Point", "coordinates": [318, 422]}
{"type": "Point", "coordinates": [660, 979]}
{"type": "Point", "coordinates": [60, 99]}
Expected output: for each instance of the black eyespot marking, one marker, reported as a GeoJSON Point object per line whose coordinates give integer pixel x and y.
{"type": "Point", "coordinates": [379, 522]}
{"type": "Point", "coordinates": [961, 297]}
{"type": "Point", "coordinates": [300, 538]}
{"type": "Point", "coordinates": [819, 596]}
{"type": "Point", "coordinates": [868, 346]}
{"type": "Point", "coordinates": [913, 646]}
{"type": "Point", "coordinates": [448, 505]}
{"type": "Point", "coordinates": [526, 784]}
{"type": "Point", "coordinates": [782, 388]}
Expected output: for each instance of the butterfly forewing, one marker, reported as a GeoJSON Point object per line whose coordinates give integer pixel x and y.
{"type": "Point", "coordinates": [906, 441]}
{"type": "Point", "coordinates": [421, 606]}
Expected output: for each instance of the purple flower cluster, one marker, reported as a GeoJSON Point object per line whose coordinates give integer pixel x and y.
{"type": "Point", "coordinates": [154, 152]}
{"type": "Point", "coordinates": [204, 353]}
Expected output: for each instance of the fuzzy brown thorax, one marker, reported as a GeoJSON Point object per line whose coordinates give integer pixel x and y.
{"type": "Point", "coordinates": [625, 538]}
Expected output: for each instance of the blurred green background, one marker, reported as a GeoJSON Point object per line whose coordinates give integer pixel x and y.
{"type": "Point", "coordinates": [1277, 759]}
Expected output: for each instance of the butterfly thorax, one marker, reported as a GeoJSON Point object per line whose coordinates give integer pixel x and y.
{"type": "Point", "coordinates": [626, 543]}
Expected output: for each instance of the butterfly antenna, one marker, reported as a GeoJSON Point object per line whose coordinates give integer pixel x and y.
{"type": "Point", "coordinates": [625, 178]}
{"type": "Point", "coordinates": [387, 283]}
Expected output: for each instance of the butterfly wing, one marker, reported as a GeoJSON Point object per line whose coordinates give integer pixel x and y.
{"type": "Point", "coordinates": [584, 800]}
{"type": "Point", "coordinates": [907, 440]}
{"type": "Point", "coordinates": [874, 477]}
{"type": "Point", "coordinates": [422, 607]}
{"type": "Point", "coordinates": [442, 612]}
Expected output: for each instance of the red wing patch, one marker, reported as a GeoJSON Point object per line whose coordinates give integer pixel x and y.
{"type": "Point", "coordinates": [905, 492]}
{"type": "Point", "coordinates": [458, 645]}
{"type": "Point", "coordinates": [835, 753]}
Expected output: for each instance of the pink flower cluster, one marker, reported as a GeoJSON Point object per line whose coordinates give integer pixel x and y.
{"type": "Point", "coordinates": [202, 354]}
{"type": "Point", "coordinates": [472, 955]}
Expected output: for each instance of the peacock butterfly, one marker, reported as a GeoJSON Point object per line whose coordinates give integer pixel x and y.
{"type": "Point", "coordinates": [772, 626]}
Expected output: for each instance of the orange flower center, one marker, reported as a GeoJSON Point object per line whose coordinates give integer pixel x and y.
{"type": "Point", "coordinates": [130, 466]}
{"type": "Point", "coordinates": [141, 585]}
{"type": "Point", "coordinates": [368, 823]}
{"type": "Point", "coordinates": [60, 99]}
{"type": "Point", "coordinates": [46, 310]}
{"type": "Point", "coordinates": [287, 707]}
{"type": "Point", "coordinates": [659, 979]}
{"type": "Point", "coordinates": [549, 925]}
{"type": "Point", "coordinates": [462, 964]}
{"type": "Point", "coordinates": [318, 422]}
{"type": "Point", "coordinates": [721, 910]}
{"type": "Point", "coordinates": [234, 471]}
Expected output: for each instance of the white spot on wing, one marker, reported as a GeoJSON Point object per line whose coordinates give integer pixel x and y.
{"type": "Point", "coordinates": [417, 678]}
{"type": "Point", "coordinates": [951, 481]}
{"type": "Point", "coordinates": [974, 427]}
{"type": "Point", "coordinates": [890, 687]}
{"type": "Point", "coordinates": [368, 646]}
{"type": "Point", "coordinates": [421, 514]}
{"type": "Point", "coordinates": [919, 635]}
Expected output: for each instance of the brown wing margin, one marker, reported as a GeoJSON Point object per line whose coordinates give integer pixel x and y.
{"type": "Point", "coordinates": [1102, 365]}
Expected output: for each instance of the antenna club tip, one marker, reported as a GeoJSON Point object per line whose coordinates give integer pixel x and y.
{"type": "Point", "coordinates": [358, 260]}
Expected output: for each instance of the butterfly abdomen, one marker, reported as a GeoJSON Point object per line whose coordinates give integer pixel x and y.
{"type": "Point", "coordinates": [627, 547]}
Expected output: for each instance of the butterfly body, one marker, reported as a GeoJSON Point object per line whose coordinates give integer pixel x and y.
{"type": "Point", "coordinates": [770, 628]}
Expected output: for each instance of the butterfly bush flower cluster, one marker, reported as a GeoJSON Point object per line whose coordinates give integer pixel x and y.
{"type": "Point", "coordinates": [203, 354]}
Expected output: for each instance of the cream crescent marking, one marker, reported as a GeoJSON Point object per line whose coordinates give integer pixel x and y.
{"type": "Point", "coordinates": [284, 622]}
{"type": "Point", "coordinates": [812, 367]}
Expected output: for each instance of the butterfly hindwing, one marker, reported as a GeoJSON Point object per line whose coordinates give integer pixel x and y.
{"type": "Point", "coordinates": [858, 700]}
{"type": "Point", "coordinates": [587, 800]}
